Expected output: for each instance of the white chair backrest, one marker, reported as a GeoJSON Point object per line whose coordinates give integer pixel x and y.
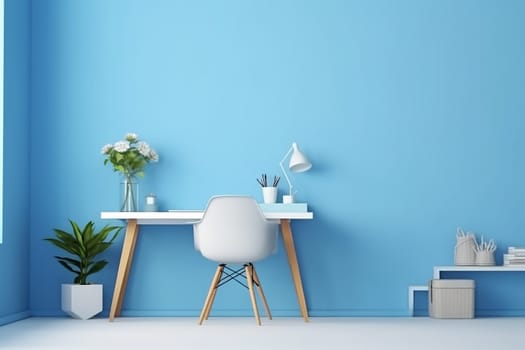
{"type": "Point", "coordinates": [234, 230]}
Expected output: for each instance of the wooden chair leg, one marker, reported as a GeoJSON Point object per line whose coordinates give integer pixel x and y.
{"type": "Point", "coordinates": [211, 294]}
{"type": "Point", "coordinates": [212, 300]}
{"type": "Point", "coordinates": [261, 292]}
{"type": "Point", "coordinates": [249, 278]}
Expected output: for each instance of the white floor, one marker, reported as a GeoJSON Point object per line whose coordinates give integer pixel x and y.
{"type": "Point", "coordinates": [279, 333]}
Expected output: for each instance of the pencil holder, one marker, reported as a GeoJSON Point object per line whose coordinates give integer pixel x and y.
{"type": "Point", "coordinates": [269, 194]}
{"type": "Point", "coordinates": [485, 258]}
{"type": "Point", "coordinates": [485, 252]}
{"type": "Point", "coordinates": [465, 252]}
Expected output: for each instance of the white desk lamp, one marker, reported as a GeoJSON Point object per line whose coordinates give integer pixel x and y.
{"type": "Point", "coordinates": [298, 164]}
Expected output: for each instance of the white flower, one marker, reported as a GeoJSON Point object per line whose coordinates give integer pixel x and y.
{"type": "Point", "coordinates": [121, 146]}
{"type": "Point", "coordinates": [130, 155]}
{"type": "Point", "coordinates": [131, 137]}
{"type": "Point", "coordinates": [144, 149]}
{"type": "Point", "coordinates": [153, 156]}
{"type": "Point", "coordinates": [106, 149]}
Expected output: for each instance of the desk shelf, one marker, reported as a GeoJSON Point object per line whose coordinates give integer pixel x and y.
{"type": "Point", "coordinates": [439, 269]}
{"type": "Point", "coordinates": [412, 290]}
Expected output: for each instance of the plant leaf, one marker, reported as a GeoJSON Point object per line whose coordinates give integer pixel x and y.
{"type": "Point", "coordinates": [66, 265]}
{"type": "Point", "coordinates": [84, 244]}
{"type": "Point", "coordinates": [99, 265]}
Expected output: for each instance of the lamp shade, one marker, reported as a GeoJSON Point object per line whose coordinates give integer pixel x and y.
{"type": "Point", "coordinates": [298, 161]}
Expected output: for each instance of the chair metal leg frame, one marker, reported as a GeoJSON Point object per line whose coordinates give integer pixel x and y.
{"type": "Point", "coordinates": [225, 274]}
{"type": "Point", "coordinates": [231, 275]}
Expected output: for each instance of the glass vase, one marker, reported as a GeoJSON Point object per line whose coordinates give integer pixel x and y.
{"type": "Point", "coordinates": [129, 194]}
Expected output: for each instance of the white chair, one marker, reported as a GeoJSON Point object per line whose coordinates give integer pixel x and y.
{"type": "Point", "coordinates": [232, 231]}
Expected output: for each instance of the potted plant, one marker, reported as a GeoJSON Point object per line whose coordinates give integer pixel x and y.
{"type": "Point", "coordinates": [82, 299]}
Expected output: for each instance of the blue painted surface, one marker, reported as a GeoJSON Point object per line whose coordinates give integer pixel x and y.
{"type": "Point", "coordinates": [421, 303]}
{"type": "Point", "coordinates": [14, 251]}
{"type": "Point", "coordinates": [410, 111]}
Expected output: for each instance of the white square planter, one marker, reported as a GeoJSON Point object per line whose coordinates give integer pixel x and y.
{"type": "Point", "coordinates": [82, 301]}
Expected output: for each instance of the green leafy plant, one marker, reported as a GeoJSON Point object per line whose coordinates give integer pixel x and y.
{"type": "Point", "coordinates": [129, 156]}
{"type": "Point", "coordinates": [84, 244]}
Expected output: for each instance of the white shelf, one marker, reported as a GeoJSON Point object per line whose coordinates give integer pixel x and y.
{"type": "Point", "coordinates": [411, 294]}
{"type": "Point", "coordinates": [437, 275]}
{"type": "Point", "coordinates": [439, 269]}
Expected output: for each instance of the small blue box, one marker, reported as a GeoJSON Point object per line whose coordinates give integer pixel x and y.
{"type": "Point", "coordinates": [284, 207]}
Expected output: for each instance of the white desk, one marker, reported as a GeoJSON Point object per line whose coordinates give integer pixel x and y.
{"type": "Point", "coordinates": [189, 217]}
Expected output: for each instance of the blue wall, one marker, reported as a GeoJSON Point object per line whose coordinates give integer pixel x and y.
{"type": "Point", "coordinates": [14, 251]}
{"type": "Point", "coordinates": [411, 112]}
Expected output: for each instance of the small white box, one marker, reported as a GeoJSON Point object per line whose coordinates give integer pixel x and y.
{"type": "Point", "coordinates": [451, 298]}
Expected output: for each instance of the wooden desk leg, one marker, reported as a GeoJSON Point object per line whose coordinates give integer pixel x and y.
{"type": "Point", "coordinates": [294, 266]}
{"type": "Point", "coordinates": [124, 267]}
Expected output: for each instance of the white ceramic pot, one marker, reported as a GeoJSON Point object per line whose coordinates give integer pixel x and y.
{"type": "Point", "coordinates": [82, 301]}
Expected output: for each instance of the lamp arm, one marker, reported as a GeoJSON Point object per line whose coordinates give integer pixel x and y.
{"type": "Point", "coordinates": [283, 170]}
